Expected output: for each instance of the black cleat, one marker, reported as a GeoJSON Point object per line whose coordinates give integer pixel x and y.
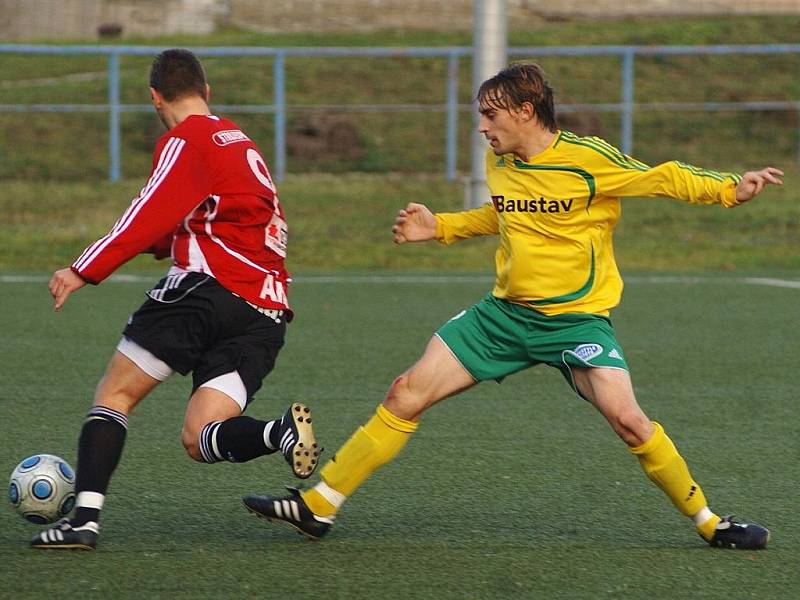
{"type": "Point", "coordinates": [63, 536]}
{"type": "Point", "coordinates": [741, 536]}
{"type": "Point", "coordinates": [291, 510]}
{"type": "Point", "coordinates": [297, 442]}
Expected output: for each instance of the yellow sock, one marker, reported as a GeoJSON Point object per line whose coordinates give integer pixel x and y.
{"type": "Point", "coordinates": [667, 469]}
{"type": "Point", "coordinates": [372, 446]}
{"type": "Point", "coordinates": [708, 527]}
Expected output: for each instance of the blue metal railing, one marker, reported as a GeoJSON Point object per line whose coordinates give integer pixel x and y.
{"type": "Point", "coordinates": [451, 107]}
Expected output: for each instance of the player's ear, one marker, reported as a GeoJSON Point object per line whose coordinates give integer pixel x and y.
{"type": "Point", "coordinates": [526, 111]}
{"type": "Point", "coordinates": [156, 98]}
{"type": "Point", "coordinates": [208, 93]}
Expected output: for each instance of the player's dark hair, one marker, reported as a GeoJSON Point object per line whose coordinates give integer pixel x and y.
{"type": "Point", "coordinates": [520, 82]}
{"type": "Point", "coordinates": [177, 73]}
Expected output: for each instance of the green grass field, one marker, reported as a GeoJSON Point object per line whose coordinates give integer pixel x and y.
{"type": "Point", "coordinates": [517, 490]}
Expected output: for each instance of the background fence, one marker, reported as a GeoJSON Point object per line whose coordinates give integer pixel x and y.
{"type": "Point", "coordinates": [450, 103]}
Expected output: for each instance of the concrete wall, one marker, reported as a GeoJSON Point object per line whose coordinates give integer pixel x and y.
{"type": "Point", "coordinates": [81, 19]}
{"type": "Point", "coordinates": [22, 20]}
{"type": "Point", "coordinates": [372, 15]}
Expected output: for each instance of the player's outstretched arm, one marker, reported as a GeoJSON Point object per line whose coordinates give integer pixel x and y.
{"type": "Point", "coordinates": [62, 284]}
{"type": "Point", "coordinates": [754, 181]}
{"type": "Point", "coordinates": [414, 223]}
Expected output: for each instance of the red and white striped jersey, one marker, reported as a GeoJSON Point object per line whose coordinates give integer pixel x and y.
{"type": "Point", "coordinates": [210, 202]}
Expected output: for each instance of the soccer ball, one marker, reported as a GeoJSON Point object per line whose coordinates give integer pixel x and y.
{"type": "Point", "coordinates": [42, 488]}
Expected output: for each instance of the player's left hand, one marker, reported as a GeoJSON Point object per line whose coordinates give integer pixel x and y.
{"type": "Point", "coordinates": [754, 181]}
{"type": "Point", "coordinates": [62, 284]}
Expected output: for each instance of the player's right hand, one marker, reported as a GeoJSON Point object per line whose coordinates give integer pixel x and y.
{"type": "Point", "coordinates": [62, 284]}
{"type": "Point", "coordinates": [753, 182]}
{"type": "Point", "coordinates": [414, 223]}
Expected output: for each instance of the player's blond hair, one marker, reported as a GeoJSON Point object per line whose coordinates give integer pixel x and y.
{"type": "Point", "coordinates": [519, 83]}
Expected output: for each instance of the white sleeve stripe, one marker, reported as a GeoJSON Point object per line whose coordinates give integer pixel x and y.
{"type": "Point", "coordinates": [159, 165]}
{"type": "Point", "coordinates": [156, 172]}
{"type": "Point", "coordinates": [129, 215]}
{"type": "Point", "coordinates": [155, 179]}
{"type": "Point", "coordinates": [168, 154]}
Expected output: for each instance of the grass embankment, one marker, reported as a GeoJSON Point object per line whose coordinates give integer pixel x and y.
{"type": "Point", "coordinates": [52, 176]}
{"type": "Point", "coordinates": [74, 146]}
{"type": "Point", "coordinates": [343, 223]}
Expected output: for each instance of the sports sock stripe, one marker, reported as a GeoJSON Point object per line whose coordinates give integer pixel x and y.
{"type": "Point", "coordinates": [212, 436]}
{"type": "Point", "coordinates": [267, 431]}
{"type": "Point", "coordinates": [208, 443]}
{"type": "Point", "coordinates": [108, 414]}
{"type": "Point", "coordinates": [89, 499]}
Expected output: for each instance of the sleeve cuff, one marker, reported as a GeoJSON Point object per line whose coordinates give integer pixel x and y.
{"type": "Point", "coordinates": [728, 195]}
{"type": "Point", "coordinates": [439, 229]}
{"type": "Point", "coordinates": [82, 276]}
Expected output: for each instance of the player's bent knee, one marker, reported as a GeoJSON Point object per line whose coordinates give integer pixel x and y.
{"type": "Point", "coordinates": [402, 400]}
{"type": "Point", "coordinates": [191, 444]}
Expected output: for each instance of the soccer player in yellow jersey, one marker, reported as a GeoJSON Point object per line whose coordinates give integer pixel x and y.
{"type": "Point", "coordinates": [555, 202]}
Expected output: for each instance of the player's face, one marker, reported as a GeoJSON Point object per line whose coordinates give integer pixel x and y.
{"type": "Point", "coordinates": [501, 127]}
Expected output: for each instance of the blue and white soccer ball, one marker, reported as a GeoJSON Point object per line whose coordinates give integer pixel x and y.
{"type": "Point", "coordinates": [42, 488]}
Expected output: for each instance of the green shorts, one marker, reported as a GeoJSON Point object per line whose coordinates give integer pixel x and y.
{"type": "Point", "coordinates": [496, 338]}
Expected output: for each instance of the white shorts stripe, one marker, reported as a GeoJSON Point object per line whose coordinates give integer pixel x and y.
{"type": "Point", "coordinates": [231, 385]}
{"type": "Point", "coordinates": [144, 359]}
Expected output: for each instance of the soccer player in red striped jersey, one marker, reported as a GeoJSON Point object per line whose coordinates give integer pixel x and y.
{"type": "Point", "coordinates": [220, 312]}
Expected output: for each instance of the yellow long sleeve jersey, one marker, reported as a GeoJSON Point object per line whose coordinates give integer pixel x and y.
{"type": "Point", "coordinates": [556, 213]}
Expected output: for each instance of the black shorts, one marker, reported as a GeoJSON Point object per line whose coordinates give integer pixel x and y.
{"type": "Point", "coordinates": [195, 325]}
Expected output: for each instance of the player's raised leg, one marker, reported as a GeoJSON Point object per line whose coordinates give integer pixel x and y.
{"type": "Point", "coordinates": [214, 428]}
{"type": "Point", "coordinates": [100, 445]}
{"type": "Point", "coordinates": [435, 376]}
{"type": "Point", "coordinates": [611, 392]}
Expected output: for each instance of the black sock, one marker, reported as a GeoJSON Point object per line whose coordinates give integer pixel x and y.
{"type": "Point", "coordinates": [99, 450]}
{"type": "Point", "coordinates": [238, 439]}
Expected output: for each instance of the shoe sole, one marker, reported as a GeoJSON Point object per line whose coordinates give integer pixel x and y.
{"type": "Point", "coordinates": [276, 520]}
{"type": "Point", "coordinates": [63, 547]}
{"type": "Point", "coordinates": [305, 452]}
